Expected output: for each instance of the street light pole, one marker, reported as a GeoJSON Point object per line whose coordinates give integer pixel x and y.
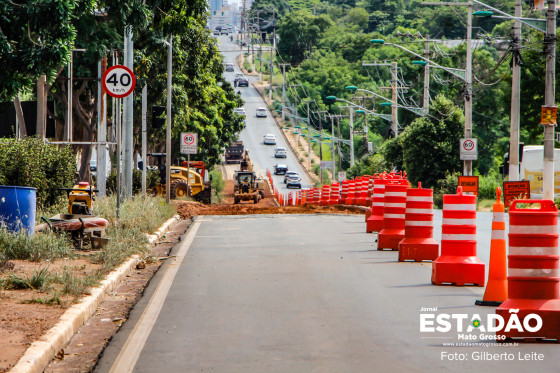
{"type": "Point", "coordinates": [467, 169]}
{"type": "Point", "coordinates": [515, 96]}
{"type": "Point", "coordinates": [351, 109]}
{"type": "Point", "coordinates": [550, 54]}
{"type": "Point", "coordinates": [426, 98]}
{"type": "Point", "coordinates": [394, 108]}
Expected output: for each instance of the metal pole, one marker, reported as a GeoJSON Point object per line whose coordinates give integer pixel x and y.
{"type": "Point", "coordinates": [68, 132]}
{"type": "Point", "coordinates": [467, 169]}
{"type": "Point", "coordinates": [320, 148]}
{"type": "Point", "coordinates": [283, 90]}
{"type": "Point", "coordinates": [169, 123]}
{"type": "Point", "coordinates": [332, 150]}
{"type": "Point", "coordinates": [273, 46]}
{"type": "Point", "coordinates": [394, 116]}
{"type": "Point", "coordinates": [426, 97]}
{"type": "Point", "coordinates": [119, 148]}
{"type": "Point", "coordinates": [101, 132]}
{"type": "Point", "coordinates": [144, 138]}
{"type": "Point", "coordinates": [515, 97]}
{"type": "Point", "coordinates": [550, 52]}
{"type": "Point", "coordinates": [351, 109]}
{"type": "Point", "coordinates": [128, 114]}
{"type": "Point", "coordinates": [41, 107]}
{"type": "Point", "coordinates": [338, 143]}
{"type": "Point", "coordinates": [308, 135]}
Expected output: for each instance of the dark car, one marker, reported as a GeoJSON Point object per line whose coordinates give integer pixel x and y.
{"type": "Point", "coordinates": [280, 169]}
{"type": "Point", "coordinates": [243, 82]}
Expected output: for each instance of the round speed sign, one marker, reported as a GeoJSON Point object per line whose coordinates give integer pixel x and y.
{"type": "Point", "coordinates": [119, 81]}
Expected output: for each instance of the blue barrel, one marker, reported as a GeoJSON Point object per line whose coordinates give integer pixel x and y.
{"type": "Point", "coordinates": [17, 208]}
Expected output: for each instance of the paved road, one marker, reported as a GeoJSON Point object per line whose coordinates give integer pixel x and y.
{"type": "Point", "coordinates": [252, 136]}
{"type": "Point", "coordinates": [302, 293]}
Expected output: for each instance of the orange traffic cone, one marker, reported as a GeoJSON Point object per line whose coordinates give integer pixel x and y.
{"type": "Point", "coordinates": [496, 290]}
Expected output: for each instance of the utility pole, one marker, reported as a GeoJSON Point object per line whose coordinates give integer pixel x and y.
{"type": "Point", "coordinates": [467, 94]}
{"type": "Point", "coordinates": [169, 123]}
{"type": "Point", "coordinates": [549, 92]}
{"type": "Point", "coordinates": [332, 149]}
{"type": "Point", "coordinates": [284, 88]}
{"type": "Point", "coordinates": [308, 133]}
{"type": "Point", "coordinates": [394, 108]}
{"type": "Point", "coordinates": [515, 96]}
{"type": "Point", "coordinates": [426, 98]}
{"type": "Point", "coordinates": [273, 46]}
{"type": "Point", "coordinates": [352, 136]}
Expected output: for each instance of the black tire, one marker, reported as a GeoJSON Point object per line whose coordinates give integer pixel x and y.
{"type": "Point", "coordinates": [179, 188]}
{"type": "Point", "coordinates": [236, 200]}
{"type": "Point", "coordinates": [256, 199]}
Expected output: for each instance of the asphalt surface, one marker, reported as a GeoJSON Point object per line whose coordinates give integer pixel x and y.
{"type": "Point", "coordinates": [308, 293]}
{"type": "Point", "coordinates": [261, 155]}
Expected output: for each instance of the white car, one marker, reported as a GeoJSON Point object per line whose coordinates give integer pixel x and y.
{"type": "Point", "coordinates": [229, 67]}
{"type": "Point", "coordinates": [240, 111]}
{"type": "Point", "coordinates": [261, 113]}
{"type": "Point", "coordinates": [280, 152]}
{"type": "Point", "coordinates": [294, 181]}
{"type": "Point", "coordinates": [290, 174]}
{"type": "Point", "coordinates": [269, 139]}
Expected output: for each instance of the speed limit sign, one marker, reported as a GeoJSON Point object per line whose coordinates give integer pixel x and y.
{"type": "Point", "coordinates": [119, 81]}
{"type": "Point", "coordinates": [189, 143]}
{"type": "Point", "coordinates": [468, 150]}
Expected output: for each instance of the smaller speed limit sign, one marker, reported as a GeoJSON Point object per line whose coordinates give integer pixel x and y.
{"type": "Point", "coordinates": [189, 143]}
{"type": "Point", "coordinates": [119, 81]}
{"type": "Point", "coordinates": [468, 150]}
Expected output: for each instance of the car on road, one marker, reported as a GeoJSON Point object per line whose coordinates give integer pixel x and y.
{"type": "Point", "coordinates": [224, 31]}
{"type": "Point", "coordinates": [280, 152]}
{"type": "Point", "coordinates": [289, 174]}
{"type": "Point", "coordinates": [294, 181]}
{"type": "Point", "coordinates": [237, 77]}
{"type": "Point", "coordinates": [269, 139]}
{"type": "Point", "coordinates": [229, 67]}
{"type": "Point", "coordinates": [240, 111]}
{"type": "Point", "coordinates": [243, 82]}
{"type": "Point", "coordinates": [280, 169]}
{"type": "Point", "coordinates": [261, 113]}
{"type": "Point", "coordinates": [216, 32]}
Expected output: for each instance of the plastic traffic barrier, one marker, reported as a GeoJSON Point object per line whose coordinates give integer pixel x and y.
{"type": "Point", "coordinates": [351, 192]}
{"type": "Point", "coordinates": [335, 193]}
{"type": "Point", "coordinates": [344, 191]}
{"type": "Point", "coordinates": [418, 243]}
{"type": "Point", "coordinates": [393, 217]}
{"type": "Point", "coordinates": [325, 195]}
{"type": "Point", "coordinates": [533, 282]}
{"type": "Point", "coordinates": [458, 263]}
{"type": "Point", "coordinates": [496, 288]}
{"type": "Point", "coordinates": [374, 222]}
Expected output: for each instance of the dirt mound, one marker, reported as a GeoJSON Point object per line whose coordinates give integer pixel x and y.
{"type": "Point", "coordinates": [189, 209]}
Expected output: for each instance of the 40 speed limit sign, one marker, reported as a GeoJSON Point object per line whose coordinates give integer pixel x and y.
{"type": "Point", "coordinates": [119, 81]}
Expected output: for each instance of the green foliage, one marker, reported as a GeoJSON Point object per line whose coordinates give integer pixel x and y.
{"type": "Point", "coordinates": [487, 185]}
{"type": "Point", "coordinates": [37, 37]}
{"type": "Point", "coordinates": [370, 165]}
{"type": "Point", "coordinates": [218, 185]}
{"type": "Point", "coordinates": [32, 163]}
{"type": "Point", "coordinates": [430, 145]}
{"type": "Point", "coordinates": [43, 246]}
{"type": "Point", "coordinates": [445, 185]}
{"type": "Point", "coordinates": [152, 178]}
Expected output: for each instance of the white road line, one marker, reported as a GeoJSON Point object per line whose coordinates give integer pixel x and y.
{"type": "Point", "coordinates": [133, 346]}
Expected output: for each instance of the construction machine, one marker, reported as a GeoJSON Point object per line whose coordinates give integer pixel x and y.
{"type": "Point", "coordinates": [184, 182]}
{"type": "Point", "coordinates": [246, 188]}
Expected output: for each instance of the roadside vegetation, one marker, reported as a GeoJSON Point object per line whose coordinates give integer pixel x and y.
{"type": "Point", "coordinates": [48, 264]}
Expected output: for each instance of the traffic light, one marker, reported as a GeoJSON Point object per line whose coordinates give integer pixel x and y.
{"type": "Point", "coordinates": [157, 120]}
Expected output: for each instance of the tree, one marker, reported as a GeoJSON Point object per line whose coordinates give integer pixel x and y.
{"type": "Point", "coordinates": [35, 39]}
{"type": "Point", "coordinates": [430, 145]}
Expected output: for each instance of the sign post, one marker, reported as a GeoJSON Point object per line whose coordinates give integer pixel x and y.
{"type": "Point", "coordinates": [189, 145]}
{"type": "Point", "coordinates": [468, 149]}
{"type": "Point", "coordinates": [119, 81]}
{"type": "Point", "coordinates": [469, 184]}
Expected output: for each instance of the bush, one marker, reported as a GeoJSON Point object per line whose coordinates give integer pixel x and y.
{"type": "Point", "coordinates": [32, 163]}
{"type": "Point", "coordinates": [152, 178]}
{"type": "Point", "coordinates": [218, 184]}
{"type": "Point", "coordinates": [445, 186]}
{"type": "Point", "coordinates": [487, 185]}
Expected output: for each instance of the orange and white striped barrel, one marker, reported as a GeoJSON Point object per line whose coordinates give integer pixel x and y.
{"type": "Point", "coordinates": [344, 191]}
{"type": "Point", "coordinates": [369, 197]}
{"type": "Point", "coordinates": [394, 209]}
{"type": "Point", "coordinates": [351, 192]}
{"type": "Point", "coordinates": [361, 191]}
{"type": "Point", "coordinates": [418, 243]}
{"type": "Point", "coordinates": [316, 196]}
{"type": "Point", "coordinates": [325, 195]}
{"type": "Point", "coordinates": [533, 278]}
{"type": "Point", "coordinates": [335, 193]}
{"type": "Point", "coordinates": [458, 263]}
{"type": "Point", "coordinates": [374, 222]}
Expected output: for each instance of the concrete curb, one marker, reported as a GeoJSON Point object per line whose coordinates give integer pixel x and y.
{"type": "Point", "coordinates": [41, 352]}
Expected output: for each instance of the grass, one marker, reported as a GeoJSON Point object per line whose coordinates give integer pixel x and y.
{"type": "Point", "coordinates": [127, 236]}
{"type": "Point", "coordinates": [47, 301]}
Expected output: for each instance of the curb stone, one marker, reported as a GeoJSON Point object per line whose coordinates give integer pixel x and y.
{"type": "Point", "coordinates": [41, 352]}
